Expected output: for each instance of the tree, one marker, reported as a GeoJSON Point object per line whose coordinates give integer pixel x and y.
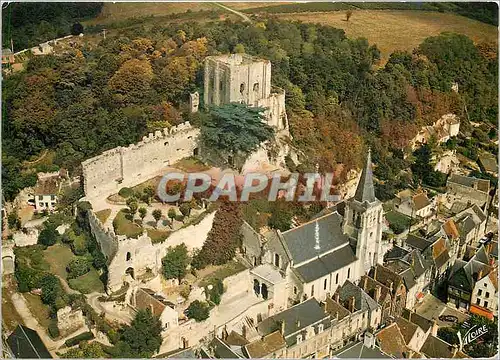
{"type": "Point", "coordinates": [76, 29]}
{"type": "Point", "coordinates": [281, 217]}
{"type": "Point", "coordinates": [78, 267]}
{"type": "Point", "coordinates": [172, 214]}
{"type": "Point", "coordinates": [198, 310]}
{"type": "Point", "coordinates": [175, 262]}
{"type": "Point", "coordinates": [142, 213]}
{"type": "Point", "coordinates": [143, 335]}
{"type": "Point", "coordinates": [132, 205]}
{"type": "Point", "coordinates": [348, 15]}
{"type": "Point", "coordinates": [235, 128]}
{"type": "Point", "coordinates": [185, 208]}
{"type": "Point", "coordinates": [149, 193]}
{"type": "Point", "coordinates": [132, 81]}
{"type": "Point", "coordinates": [157, 216]}
{"type": "Point", "coordinates": [85, 350]}
{"type": "Point", "coordinates": [14, 221]}
{"type": "Point", "coordinates": [48, 236]}
{"type": "Point", "coordinates": [52, 292]}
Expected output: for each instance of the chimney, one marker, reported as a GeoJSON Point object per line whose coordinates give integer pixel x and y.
{"type": "Point", "coordinates": [244, 331]}
{"type": "Point", "coordinates": [224, 333]}
{"type": "Point", "coordinates": [390, 285]}
{"type": "Point", "coordinates": [351, 304]}
{"type": "Point", "coordinates": [297, 323]}
{"type": "Point", "coordinates": [375, 272]}
{"type": "Point", "coordinates": [336, 297]}
{"type": "Point", "coordinates": [480, 274]}
{"type": "Point", "coordinates": [365, 282]}
{"type": "Point", "coordinates": [283, 327]}
{"type": "Point", "coordinates": [454, 350]}
{"type": "Point", "coordinates": [435, 327]}
{"type": "Point", "coordinates": [377, 293]}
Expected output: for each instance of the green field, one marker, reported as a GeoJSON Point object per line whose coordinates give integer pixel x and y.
{"type": "Point", "coordinates": [87, 283]}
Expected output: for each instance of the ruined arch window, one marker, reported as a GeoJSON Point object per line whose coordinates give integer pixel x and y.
{"type": "Point", "coordinates": [196, 152]}
{"type": "Point", "coordinates": [129, 256]}
{"type": "Point", "coordinates": [295, 290]}
{"type": "Point", "coordinates": [276, 260]}
{"type": "Point", "coordinates": [242, 88]}
{"type": "Point", "coordinates": [256, 87]}
{"type": "Point", "coordinates": [324, 284]}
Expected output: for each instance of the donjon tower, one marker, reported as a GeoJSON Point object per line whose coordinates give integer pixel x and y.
{"type": "Point", "coordinates": [245, 79]}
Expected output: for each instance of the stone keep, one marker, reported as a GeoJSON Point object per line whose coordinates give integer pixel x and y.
{"type": "Point", "coordinates": [245, 79]}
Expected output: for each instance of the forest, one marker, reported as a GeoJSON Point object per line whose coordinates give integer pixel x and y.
{"type": "Point", "coordinates": [102, 94]}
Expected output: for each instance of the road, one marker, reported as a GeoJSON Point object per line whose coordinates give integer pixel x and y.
{"type": "Point", "coordinates": [243, 16]}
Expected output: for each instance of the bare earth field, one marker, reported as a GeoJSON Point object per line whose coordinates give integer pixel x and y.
{"type": "Point", "coordinates": [397, 29]}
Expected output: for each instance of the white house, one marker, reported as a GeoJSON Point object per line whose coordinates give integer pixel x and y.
{"type": "Point", "coordinates": [485, 293]}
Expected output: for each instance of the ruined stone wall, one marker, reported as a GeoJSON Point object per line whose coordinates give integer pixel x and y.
{"type": "Point", "coordinates": [141, 255]}
{"type": "Point", "coordinates": [107, 173]}
{"type": "Point", "coordinates": [106, 238]}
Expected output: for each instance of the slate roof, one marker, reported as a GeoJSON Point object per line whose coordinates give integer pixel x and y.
{"type": "Point", "coordinates": [413, 317]}
{"type": "Point", "coordinates": [222, 350]}
{"type": "Point", "coordinates": [25, 343]}
{"type": "Point", "coordinates": [300, 241]}
{"type": "Point", "coordinates": [265, 346]}
{"type": "Point", "coordinates": [489, 163]}
{"type": "Point", "coordinates": [326, 264]}
{"type": "Point", "coordinates": [462, 275]}
{"type": "Point", "coordinates": [236, 339]}
{"type": "Point", "coordinates": [411, 268]}
{"type": "Point", "coordinates": [362, 301]}
{"type": "Point", "coordinates": [365, 190]}
{"type": "Point", "coordinates": [251, 237]}
{"type": "Point", "coordinates": [482, 185]}
{"type": "Point", "coordinates": [47, 186]}
{"type": "Point", "coordinates": [392, 342]}
{"type": "Point", "coordinates": [417, 242]}
{"type": "Point", "coordinates": [436, 348]}
{"type": "Point", "coordinates": [395, 253]}
{"type": "Point", "coordinates": [360, 351]}
{"type": "Point", "coordinates": [182, 354]}
{"type": "Point", "coordinates": [296, 319]}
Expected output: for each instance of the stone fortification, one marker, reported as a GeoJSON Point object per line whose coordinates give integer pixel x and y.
{"type": "Point", "coordinates": [135, 257]}
{"type": "Point", "coordinates": [120, 167]}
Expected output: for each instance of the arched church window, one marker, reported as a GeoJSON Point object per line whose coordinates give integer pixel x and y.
{"type": "Point", "coordinates": [256, 87]}
{"type": "Point", "coordinates": [295, 290]}
{"type": "Point", "coordinates": [348, 273]}
{"type": "Point", "coordinates": [336, 279]}
{"type": "Point", "coordinates": [276, 260]}
{"type": "Point", "coordinates": [312, 290]}
{"type": "Point", "coordinates": [242, 88]}
{"type": "Point", "coordinates": [129, 256]}
{"type": "Point", "coordinates": [324, 284]}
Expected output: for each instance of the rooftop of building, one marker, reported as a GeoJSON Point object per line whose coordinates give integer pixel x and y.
{"type": "Point", "coordinates": [25, 343]}
{"type": "Point", "coordinates": [236, 59]}
{"type": "Point", "coordinates": [360, 351]}
{"type": "Point", "coordinates": [267, 345]}
{"type": "Point", "coordinates": [482, 185]}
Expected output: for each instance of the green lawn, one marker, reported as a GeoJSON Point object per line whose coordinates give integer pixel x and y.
{"type": "Point", "coordinates": [39, 310]}
{"type": "Point", "coordinates": [103, 215]}
{"type": "Point", "coordinates": [158, 236]}
{"type": "Point", "coordinates": [58, 256]}
{"type": "Point", "coordinates": [224, 271]}
{"type": "Point", "coordinates": [123, 226]}
{"type": "Point", "coordinates": [397, 221]}
{"type": "Point", "coordinates": [87, 283]}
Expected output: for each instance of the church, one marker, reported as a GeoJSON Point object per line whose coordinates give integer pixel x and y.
{"type": "Point", "coordinates": [314, 259]}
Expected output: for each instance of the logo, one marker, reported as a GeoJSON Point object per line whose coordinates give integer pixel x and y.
{"type": "Point", "coordinates": [472, 334]}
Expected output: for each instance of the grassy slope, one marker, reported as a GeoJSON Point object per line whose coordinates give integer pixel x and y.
{"type": "Point", "coordinates": [394, 30]}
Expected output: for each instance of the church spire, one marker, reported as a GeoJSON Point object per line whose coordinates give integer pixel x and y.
{"type": "Point", "coordinates": [365, 190]}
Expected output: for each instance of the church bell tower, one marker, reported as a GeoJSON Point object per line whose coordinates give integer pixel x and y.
{"type": "Point", "coordinates": [363, 221]}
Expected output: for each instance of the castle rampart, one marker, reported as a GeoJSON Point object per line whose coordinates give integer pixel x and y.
{"type": "Point", "coordinates": [107, 173]}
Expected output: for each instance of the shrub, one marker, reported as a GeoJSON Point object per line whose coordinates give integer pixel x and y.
{"type": "Point", "coordinates": [76, 340]}
{"type": "Point", "coordinates": [198, 310]}
{"type": "Point", "coordinates": [125, 192]}
{"type": "Point", "coordinates": [48, 236]}
{"type": "Point", "coordinates": [78, 267]}
{"type": "Point", "coordinates": [53, 329]}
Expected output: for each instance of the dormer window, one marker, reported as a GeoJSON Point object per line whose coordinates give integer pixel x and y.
{"type": "Point", "coordinates": [320, 328]}
{"type": "Point", "coordinates": [299, 338]}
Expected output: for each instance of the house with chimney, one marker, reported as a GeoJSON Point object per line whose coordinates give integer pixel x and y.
{"type": "Point", "coordinates": [396, 286]}
{"type": "Point", "coordinates": [380, 293]}
{"type": "Point", "coordinates": [317, 257]}
{"type": "Point", "coordinates": [147, 299]}
{"type": "Point", "coordinates": [414, 205]}
{"type": "Point", "coordinates": [366, 349]}
{"type": "Point", "coordinates": [467, 189]}
{"type": "Point", "coordinates": [469, 282]}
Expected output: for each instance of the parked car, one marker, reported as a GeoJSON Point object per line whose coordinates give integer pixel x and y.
{"type": "Point", "coordinates": [448, 318]}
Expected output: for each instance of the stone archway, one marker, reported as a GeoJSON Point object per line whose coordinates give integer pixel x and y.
{"type": "Point", "coordinates": [256, 287]}
{"type": "Point", "coordinates": [130, 271]}
{"type": "Point", "coordinates": [264, 292]}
